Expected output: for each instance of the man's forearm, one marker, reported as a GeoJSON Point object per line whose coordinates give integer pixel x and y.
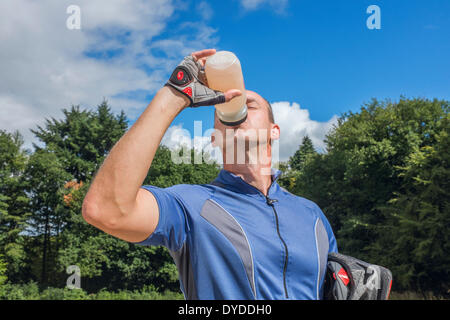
{"type": "Point", "coordinates": [121, 175]}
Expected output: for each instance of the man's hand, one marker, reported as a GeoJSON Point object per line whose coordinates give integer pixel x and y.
{"type": "Point", "coordinates": [189, 78]}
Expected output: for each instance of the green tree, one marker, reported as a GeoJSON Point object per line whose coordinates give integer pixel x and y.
{"type": "Point", "coordinates": [13, 202]}
{"type": "Point", "coordinates": [292, 168]}
{"type": "Point", "coordinates": [3, 276]}
{"type": "Point", "coordinates": [364, 168]}
{"type": "Point", "coordinates": [288, 176]}
{"type": "Point", "coordinates": [83, 138]}
{"type": "Point", "coordinates": [70, 152]}
{"type": "Point", "coordinates": [305, 150]}
{"type": "Point", "coordinates": [420, 217]}
{"type": "Point", "coordinates": [47, 177]}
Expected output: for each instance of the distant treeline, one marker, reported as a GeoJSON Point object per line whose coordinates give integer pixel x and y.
{"type": "Point", "coordinates": [383, 183]}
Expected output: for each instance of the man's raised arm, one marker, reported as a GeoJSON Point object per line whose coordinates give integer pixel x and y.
{"type": "Point", "coordinates": [115, 202]}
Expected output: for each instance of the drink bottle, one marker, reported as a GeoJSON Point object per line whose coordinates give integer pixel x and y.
{"type": "Point", "coordinates": [223, 71]}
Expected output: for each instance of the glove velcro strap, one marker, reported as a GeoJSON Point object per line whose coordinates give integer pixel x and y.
{"type": "Point", "coordinates": [203, 96]}
{"type": "Point", "coordinates": [186, 91]}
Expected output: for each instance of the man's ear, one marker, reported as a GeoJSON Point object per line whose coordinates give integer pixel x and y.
{"type": "Point", "coordinates": [216, 138]}
{"type": "Point", "coordinates": [275, 132]}
{"type": "Point", "coordinates": [213, 139]}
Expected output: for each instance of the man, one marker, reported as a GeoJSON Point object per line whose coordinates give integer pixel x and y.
{"type": "Point", "coordinates": [240, 237]}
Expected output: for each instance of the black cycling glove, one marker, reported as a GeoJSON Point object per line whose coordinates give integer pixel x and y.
{"type": "Point", "coordinates": [189, 78]}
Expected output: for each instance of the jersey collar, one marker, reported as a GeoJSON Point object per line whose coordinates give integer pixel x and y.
{"type": "Point", "coordinates": [236, 183]}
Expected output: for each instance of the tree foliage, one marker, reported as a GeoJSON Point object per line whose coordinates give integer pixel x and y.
{"type": "Point", "coordinates": [14, 210]}
{"type": "Point", "coordinates": [303, 153]}
{"type": "Point", "coordinates": [82, 139]}
{"type": "Point", "coordinates": [58, 175]}
{"type": "Point", "coordinates": [383, 184]}
{"type": "Point", "coordinates": [420, 215]}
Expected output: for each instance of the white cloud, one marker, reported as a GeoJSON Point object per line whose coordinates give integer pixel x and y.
{"type": "Point", "coordinates": [295, 123]}
{"type": "Point", "coordinates": [278, 5]}
{"type": "Point", "coordinates": [205, 10]}
{"type": "Point", "coordinates": [45, 67]}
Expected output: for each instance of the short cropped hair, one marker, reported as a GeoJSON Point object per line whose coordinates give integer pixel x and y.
{"type": "Point", "coordinates": [271, 117]}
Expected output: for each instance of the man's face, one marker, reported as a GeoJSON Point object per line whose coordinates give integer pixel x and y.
{"type": "Point", "coordinates": [256, 129]}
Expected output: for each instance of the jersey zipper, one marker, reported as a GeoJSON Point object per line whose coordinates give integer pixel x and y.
{"type": "Point", "coordinates": [270, 203]}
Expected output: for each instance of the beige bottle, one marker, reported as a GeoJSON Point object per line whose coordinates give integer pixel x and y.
{"type": "Point", "coordinates": [223, 71]}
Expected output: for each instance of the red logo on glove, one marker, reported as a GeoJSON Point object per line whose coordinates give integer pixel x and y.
{"type": "Point", "coordinates": [180, 75]}
{"type": "Point", "coordinates": [343, 276]}
{"type": "Point", "coordinates": [188, 91]}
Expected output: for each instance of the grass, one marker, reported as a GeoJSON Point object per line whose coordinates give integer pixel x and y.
{"type": "Point", "coordinates": [409, 295]}
{"type": "Point", "coordinates": [31, 291]}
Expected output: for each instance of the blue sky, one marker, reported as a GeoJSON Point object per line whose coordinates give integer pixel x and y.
{"type": "Point", "coordinates": [313, 60]}
{"type": "Point", "coordinates": [322, 55]}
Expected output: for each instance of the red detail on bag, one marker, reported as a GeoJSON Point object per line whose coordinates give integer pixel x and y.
{"type": "Point", "coordinates": [389, 292]}
{"type": "Point", "coordinates": [180, 75]}
{"type": "Point", "coordinates": [334, 276]}
{"type": "Point", "coordinates": [188, 91]}
{"type": "Point", "coordinates": [343, 276]}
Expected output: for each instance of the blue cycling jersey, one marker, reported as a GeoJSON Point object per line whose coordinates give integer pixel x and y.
{"type": "Point", "coordinates": [230, 241]}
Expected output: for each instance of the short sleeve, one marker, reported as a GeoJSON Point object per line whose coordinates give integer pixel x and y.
{"type": "Point", "coordinates": [170, 231]}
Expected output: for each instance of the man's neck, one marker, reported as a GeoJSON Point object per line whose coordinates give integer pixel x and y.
{"type": "Point", "coordinates": [256, 175]}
